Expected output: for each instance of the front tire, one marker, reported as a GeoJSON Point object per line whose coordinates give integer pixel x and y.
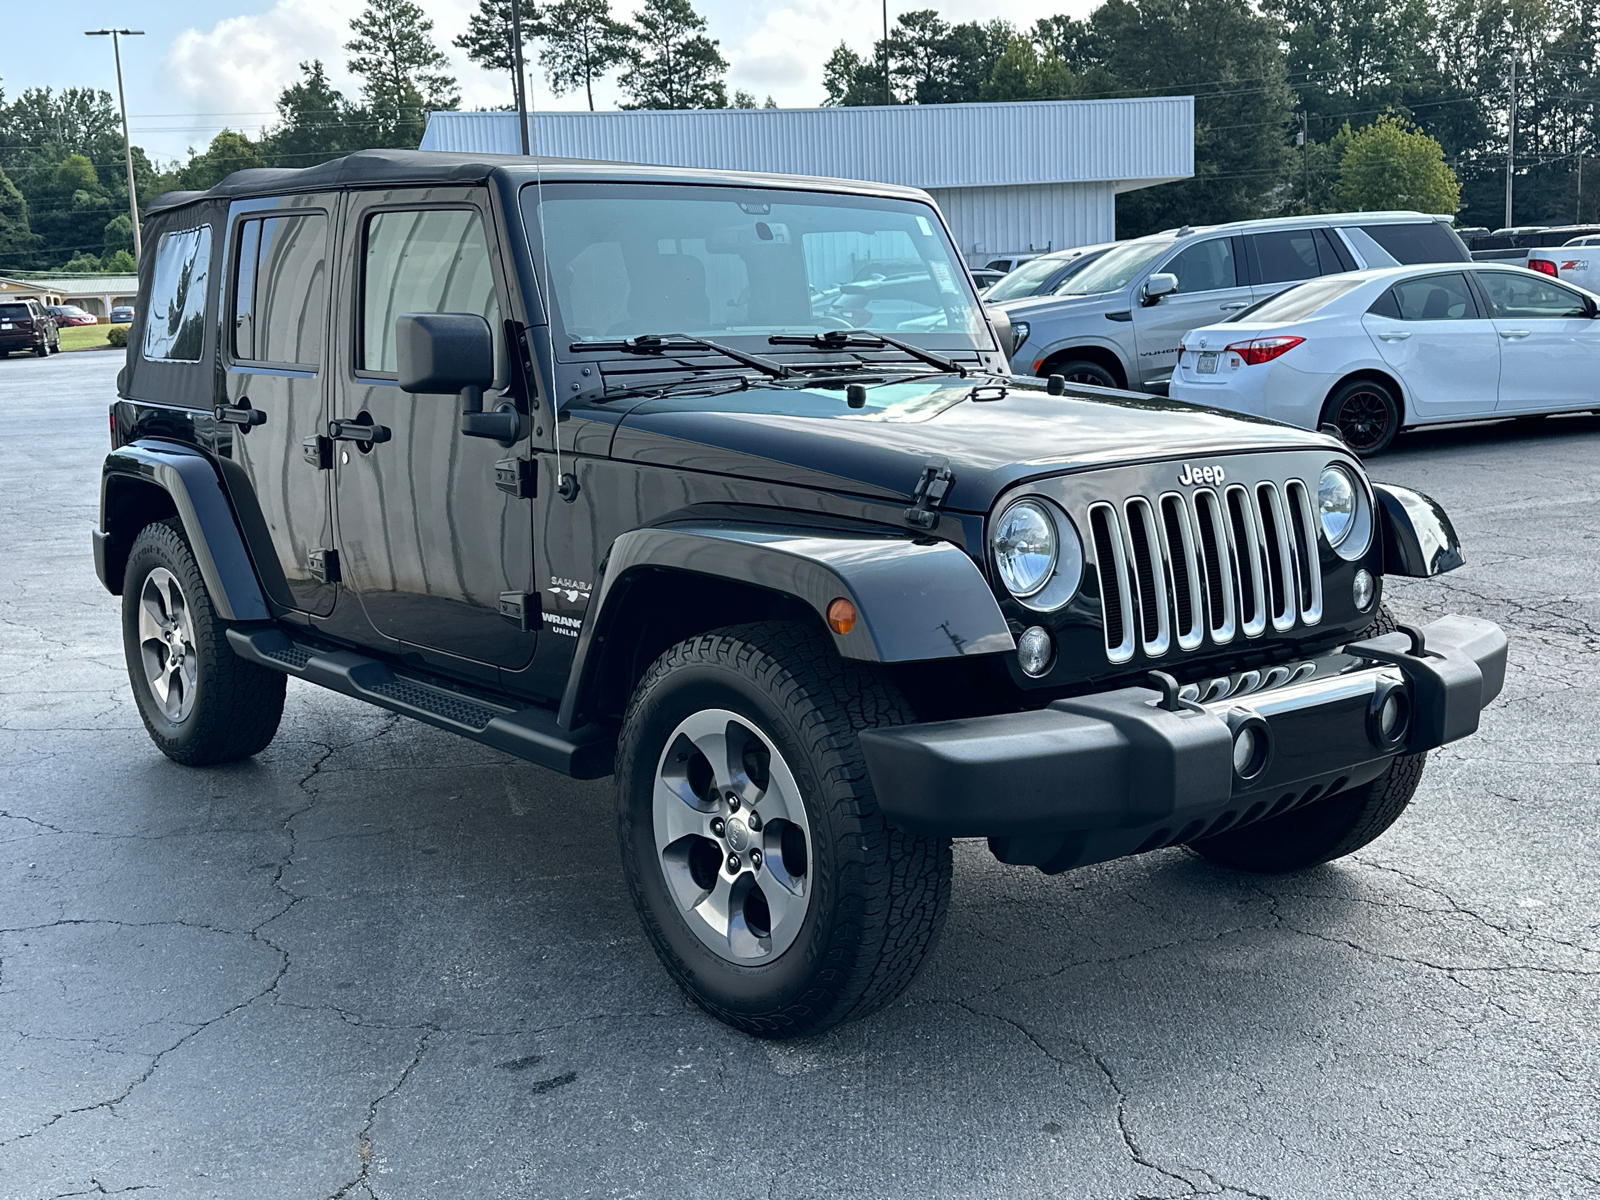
{"type": "Point", "coordinates": [1081, 370]}
{"type": "Point", "coordinates": [773, 890]}
{"type": "Point", "coordinates": [201, 703]}
{"type": "Point", "coordinates": [1326, 829]}
{"type": "Point", "coordinates": [1366, 413]}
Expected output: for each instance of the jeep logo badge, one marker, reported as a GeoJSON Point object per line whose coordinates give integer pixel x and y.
{"type": "Point", "coordinates": [1193, 476]}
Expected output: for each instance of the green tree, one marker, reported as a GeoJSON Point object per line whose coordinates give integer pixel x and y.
{"type": "Point", "coordinates": [850, 81]}
{"type": "Point", "coordinates": [119, 262]}
{"type": "Point", "coordinates": [582, 44]}
{"type": "Point", "coordinates": [315, 122]}
{"type": "Point", "coordinates": [228, 152]}
{"type": "Point", "coordinates": [1021, 73]}
{"type": "Point", "coordinates": [83, 263]}
{"type": "Point", "coordinates": [1392, 164]}
{"type": "Point", "coordinates": [674, 65]}
{"type": "Point", "coordinates": [1226, 55]}
{"type": "Point", "coordinates": [490, 40]}
{"type": "Point", "coordinates": [77, 174]}
{"type": "Point", "coordinates": [16, 237]}
{"type": "Point", "coordinates": [119, 234]}
{"type": "Point", "coordinates": [403, 70]}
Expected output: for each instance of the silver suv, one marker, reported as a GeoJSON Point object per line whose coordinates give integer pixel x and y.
{"type": "Point", "coordinates": [1118, 322]}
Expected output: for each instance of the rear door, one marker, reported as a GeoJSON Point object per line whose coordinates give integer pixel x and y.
{"type": "Point", "coordinates": [275, 305]}
{"type": "Point", "coordinates": [1211, 288]}
{"type": "Point", "coordinates": [1285, 257]}
{"type": "Point", "coordinates": [1548, 344]}
{"type": "Point", "coordinates": [1433, 335]}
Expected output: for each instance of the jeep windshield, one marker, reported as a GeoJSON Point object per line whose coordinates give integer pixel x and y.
{"type": "Point", "coordinates": [1116, 270]}
{"type": "Point", "coordinates": [730, 264]}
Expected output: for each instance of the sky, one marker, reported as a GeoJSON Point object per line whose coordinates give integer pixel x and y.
{"type": "Point", "coordinates": [204, 65]}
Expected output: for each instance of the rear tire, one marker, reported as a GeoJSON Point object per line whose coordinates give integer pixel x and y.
{"type": "Point", "coordinates": [1326, 829]}
{"type": "Point", "coordinates": [42, 350]}
{"type": "Point", "coordinates": [864, 903]}
{"type": "Point", "coordinates": [1366, 413]}
{"type": "Point", "coordinates": [201, 703]}
{"type": "Point", "coordinates": [1081, 370]}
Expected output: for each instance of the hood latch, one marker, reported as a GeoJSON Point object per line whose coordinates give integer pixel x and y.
{"type": "Point", "coordinates": [935, 483]}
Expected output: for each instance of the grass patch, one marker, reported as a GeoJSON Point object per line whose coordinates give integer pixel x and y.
{"type": "Point", "coordinates": [86, 337]}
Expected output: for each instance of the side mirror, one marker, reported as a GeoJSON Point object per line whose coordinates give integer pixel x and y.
{"type": "Point", "coordinates": [441, 353]}
{"type": "Point", "coordinates": [1004, 335]}
{"type": "Point", "coordinates": [1591, 309]}
{"type": "Point", "coordinates": [1158, 285]}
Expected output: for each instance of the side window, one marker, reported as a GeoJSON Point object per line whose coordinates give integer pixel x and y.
{"type": "Point", "coordinates": [1418, 242]}
{"type": "Point", "coordinates": [175, 323]}
{"type": "Point", "coordinates": [1522, 295]}
{"type": "Point", "coordinates": [280, 289]}
{"type": "Point", "coordinates": [1287, 256]}
{"type": "Point", "coordinates": [423, 261]}
{"type": "Point", "coordinates": [1332, 258]}
{"type": "Point", "coordinates": [1205, 266]}
{"type": "Point", "coordinates": [1435, 298]}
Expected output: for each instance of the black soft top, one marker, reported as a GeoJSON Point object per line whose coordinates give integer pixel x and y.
{"type": "Point", "coordinates": [398, 168]}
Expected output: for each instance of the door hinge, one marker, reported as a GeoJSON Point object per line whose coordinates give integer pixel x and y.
{"type": "Point", "coordinates": [522, 609]}
{"type": "Point", "coordinates": [318, 451]}
{"type": "Point", "coordinates": [325, 566]}
{"type": "Point", "coordinates": [932, 487]}
{"type": "Point", "coordinates": [516, 477]}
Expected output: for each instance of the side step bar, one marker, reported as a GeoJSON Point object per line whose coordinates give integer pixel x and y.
{"type": "Point", "coordinates": [531, 732]}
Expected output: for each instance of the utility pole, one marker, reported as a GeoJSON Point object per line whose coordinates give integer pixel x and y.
{"type": "Point", "coordinates": [1511, 137]}
{"type": "Point", "coordinates": [116, 36]}
{"type": "Point", "coordinates": [887, 98]}
{"type": "Point", "coordinates": [518, 89]}
{"type": "Point", "coordinates": [1305, 141]}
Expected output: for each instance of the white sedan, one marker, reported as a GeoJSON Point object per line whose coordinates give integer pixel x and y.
{"type": "Point", "coordinates": [1374, 351]}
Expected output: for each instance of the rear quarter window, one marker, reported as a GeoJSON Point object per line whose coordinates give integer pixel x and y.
{"type": "Point", "coordinates": [1413, 242]}
{"type": "Point", "coordinates": [175, 322]}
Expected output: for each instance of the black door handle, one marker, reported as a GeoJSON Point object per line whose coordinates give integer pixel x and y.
{"type": "Point", "coordinates": [357, 431]}
{"type": "Point", "coordinates": [240, 413]}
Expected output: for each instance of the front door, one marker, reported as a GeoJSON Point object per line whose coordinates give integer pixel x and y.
{"type": "Point", "coordinates": [1445, 351]}
{"type": "Point", "coordinates": [1548, 344]}
{"type": "Point", "coordinates": [275, 334]}
{"type": "Point", "coordinates": [426, 539]}
{"type": "Point", "coordinates": [1211, 288]}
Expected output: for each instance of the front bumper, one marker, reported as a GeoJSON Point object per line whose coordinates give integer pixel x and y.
{"type": "Point", "coordinates": [1096, 777]}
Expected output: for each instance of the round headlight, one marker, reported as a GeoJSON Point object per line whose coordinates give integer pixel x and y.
{"type": "Point", "coordinates": [1025, 547]}
{"type": "Point", "coordinates": [1338, 505]}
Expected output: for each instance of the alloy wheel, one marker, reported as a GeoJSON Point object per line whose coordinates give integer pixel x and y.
{"type": "Point", "coordinates": [1363, 419]}
{"type": "Point", "coordinates": [732, 836]}
{"type": "Point", "coordinates": [166, 644]}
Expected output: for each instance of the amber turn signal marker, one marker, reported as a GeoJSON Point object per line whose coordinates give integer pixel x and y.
{"type": "Point", "coordinates": [841, 615]}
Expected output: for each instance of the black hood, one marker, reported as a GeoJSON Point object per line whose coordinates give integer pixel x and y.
{"type": "Point", "coordinates": [994, 431]}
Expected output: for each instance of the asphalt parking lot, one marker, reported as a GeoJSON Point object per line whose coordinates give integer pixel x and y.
{"type": "Point", "coordinates": [380, 960]}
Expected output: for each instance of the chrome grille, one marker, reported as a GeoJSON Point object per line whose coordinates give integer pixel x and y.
{"type": "Point", "coordinates": [1207, 567]}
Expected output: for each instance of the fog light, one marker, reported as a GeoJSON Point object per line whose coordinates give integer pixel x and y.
{"type": "Point", "coordinates": [1389, 717]}
{"type": "Point", "coordinates": [1244, 750]}
{"type": "Point", "coordinates": [1362, 589]}
{"type": "Point", "coordinates": [1035, 649]}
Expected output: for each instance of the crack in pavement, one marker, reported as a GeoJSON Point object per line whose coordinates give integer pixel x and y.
{"type": "Point", "coordinates": [363, 1138]}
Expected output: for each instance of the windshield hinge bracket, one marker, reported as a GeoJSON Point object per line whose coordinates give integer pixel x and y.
{"type": "Point", "coordinates": [516, 477]}
{"type": "Point", "coordinates": [934, 484]}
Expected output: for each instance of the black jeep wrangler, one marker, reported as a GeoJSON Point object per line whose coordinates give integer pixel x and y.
{"type": "Point", "coordinates": [718, 483]}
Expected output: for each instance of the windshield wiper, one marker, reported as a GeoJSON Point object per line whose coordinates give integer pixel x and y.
{"type": "Point", "coordinates": [666, 343]}
{"type": "Point", "coordinates": [866, 339]}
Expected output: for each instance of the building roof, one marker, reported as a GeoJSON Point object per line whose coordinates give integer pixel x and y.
{"type": "Point", "coordinates": [1129, 143]}
{"type": "Point", "coordinates": [75, 285]}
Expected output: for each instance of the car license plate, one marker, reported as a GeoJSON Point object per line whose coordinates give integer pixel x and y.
{"type": "Point", "coordinates": [5, 324]}
{"type": "Point", "coordinates": [1206, 364]}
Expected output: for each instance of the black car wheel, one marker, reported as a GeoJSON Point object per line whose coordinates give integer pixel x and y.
{"type": "Point", "coordinates": [1366, 414]}
{"type": "Point", "coordinates": [772, 889]}
{"type": "Point", "coordinates": [201, 703]}
{"type": "Point", "coordinates": [1326, 829]}
{"type": "Point", "coordinates": [1081, 371]}
{"type": "Point", "coordinates": [42, 350]}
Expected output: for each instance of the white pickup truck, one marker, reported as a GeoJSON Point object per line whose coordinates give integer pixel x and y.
{"type": "Point", "coordinates": [1576, 262]}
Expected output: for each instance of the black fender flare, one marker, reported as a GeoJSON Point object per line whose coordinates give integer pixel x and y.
{"type": "Point", "coordinates": [190, 480]}
{"type": "Point", "coordinates": [1418, 538]}
{"type": "Point", "coordinates": [915, 598]}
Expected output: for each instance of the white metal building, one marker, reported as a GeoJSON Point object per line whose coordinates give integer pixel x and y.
{"type": "Point", "coordinates": [1010, 177]}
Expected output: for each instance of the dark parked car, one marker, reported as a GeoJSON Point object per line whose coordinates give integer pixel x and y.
{"type": "Point", "coordinates": [122, 314]}
{"type": "Point", "coordinates": [28, 325]}
{"type": "Point", "coordinates": [70, 314]}
{"type": "Point", "coordinates": [718, 483]}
